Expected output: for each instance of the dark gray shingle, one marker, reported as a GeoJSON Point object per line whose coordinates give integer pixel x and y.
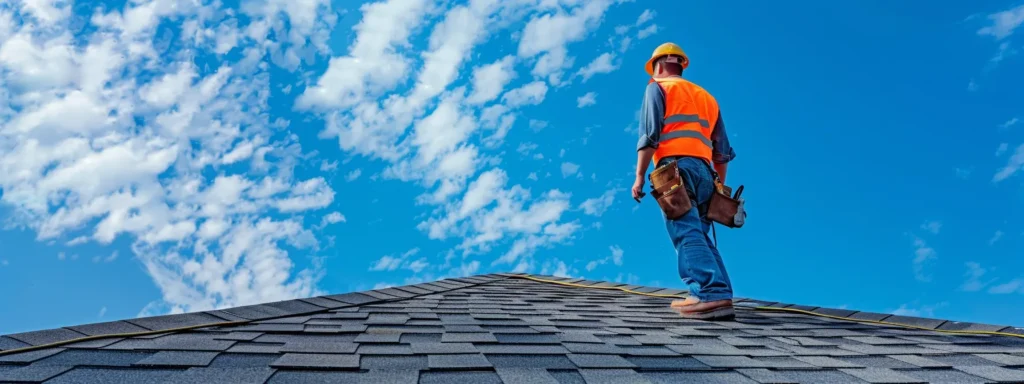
{"type": "Point", "coordinates": [472, 329]}
{"type": "Point", "coordinates": [46, 336]}
{"type": "Point", "coordinates": [311, 360]}
{"type": "Point", "coordinates": [460, 361]}
{"type": "Point", "coordinates": [107, 328]}
{"type": "Point", "coordinates": [33, 373]}
{"type": "Point", "coordinates": [178, 359]}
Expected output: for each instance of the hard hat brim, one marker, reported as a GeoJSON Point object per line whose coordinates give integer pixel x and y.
{"type": "Point", "coordinates": [650, 63]}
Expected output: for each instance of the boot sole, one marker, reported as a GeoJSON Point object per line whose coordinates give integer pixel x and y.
{"type": "Point", "coordinates": [726, 313]}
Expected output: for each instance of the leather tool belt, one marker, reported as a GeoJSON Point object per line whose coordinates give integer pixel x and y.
{"type": "Point", "coordinates": [674, 201]}
{"type": "Point", "coordinates": [669, 191]}
{"type": "Point", "coordinates": [726, 210]}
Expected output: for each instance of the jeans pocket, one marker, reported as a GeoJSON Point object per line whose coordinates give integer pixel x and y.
{"type": "Point", "coordinates": [675, 203]}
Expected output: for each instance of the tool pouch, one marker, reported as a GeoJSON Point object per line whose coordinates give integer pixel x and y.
{"type": "Point", "coordinates": [669, 191]}
{"type": "Point", "coordinates": [726, 210]}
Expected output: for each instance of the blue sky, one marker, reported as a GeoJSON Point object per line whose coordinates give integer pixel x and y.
{"type": "Point", "coordinates": [158, 158]}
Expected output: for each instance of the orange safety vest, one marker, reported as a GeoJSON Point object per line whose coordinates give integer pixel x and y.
{"type": "Point", "coordinates": [690, 115]}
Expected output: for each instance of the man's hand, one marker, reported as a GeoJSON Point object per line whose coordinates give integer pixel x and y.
{"type": "Point", "coordinates": [638, 189]}
{"type": "Point", "coordinates": [643, 158]}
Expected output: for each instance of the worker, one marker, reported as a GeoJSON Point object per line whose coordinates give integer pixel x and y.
{"type": "Point", "coordinates": [680, 122]}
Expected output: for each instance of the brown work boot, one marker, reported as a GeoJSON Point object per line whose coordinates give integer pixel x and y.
{"type": "Point", "coordinates": [712, 310]}
{"type": "Point", "coordinates": [690, 300]}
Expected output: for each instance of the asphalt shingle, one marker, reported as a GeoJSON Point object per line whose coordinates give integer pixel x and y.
{"type": "Point", "coordinates": [178, 359]}
{"type": "Point", "coordinates": [46, 336]}
{"type": "Point", "coordinates": [224, 375]}
{"type": "Point", "coordinates": [762, 375]}
{"type": "Point", "coordinates": [460, 361]}
{"type": "Point", "coordinates": [75, 357]}
{"type": "Point", "coordinates": [116, 376]}
{"type": "Point", "coordinates": [525, 376]}
{"type": "Point", "coordinates": [309, 360]}
{"type": "Point", "coordinates": [30, 356]}
{"type": "Point", "coordinates": [880, 375]}
{"type": "Point", "coordinates": [33, 373]}
{"type": "Point", "coordinates": [107, 328]}
{"type": "Point", "coordinates": [459, 378]}
{"type": "Point", "coordinates": [175, 321]}
{"type": "Point", "coordinates": [482, 329]}
{"type": "Point", "coordinates": [999, 374]}
{"type": "Point", "coordinates": [599, 361]}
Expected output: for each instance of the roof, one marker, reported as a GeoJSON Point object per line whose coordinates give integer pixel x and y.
{"type": "Point", "coordinates": [514, 328]}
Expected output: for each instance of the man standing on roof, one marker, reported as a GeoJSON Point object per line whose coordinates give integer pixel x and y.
{"type": "Point", "coordinates": [680, 121]}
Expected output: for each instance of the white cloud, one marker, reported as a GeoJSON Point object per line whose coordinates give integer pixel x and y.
{"type": "Point", "coordinates": [332, 218]}
{"type": "Point", "coordinates": [602, 64]}
{"type": "Point", "coordinates": [556, 268]}
{"type": "Point", "coordinates": [529, 94]}
{"type": "Point", "coordinates": [1004, 23]}
{"type": "Point", "coordinates": [922, 255]}
{"type": "Point", "coordinates": [525, 148]}
{"type": "Point", "coordinates": [78, 240]}
{"type": "Point", "coordinates": [570, 169]}
{"type": "Point", "coordinates": [1012, 286]}
{"type": "Point", "coordinates": [588, 99]}
{"type": "Point", "coordinates": [154, 148]}
{"type": "Point", "coordinates": [647, 31]}
{"type": "Point", "coordinates": [1014, 164]}
{"type": "Point", "coordinates": [326, 166]}
{"type": "Point", "coordinates": [489, 80]}
{"type": "Point", "coordinates": [532, 176]}
{"type": "Point", "coordinates": [648, 15]}
{"type": "Point", "coordinates": [386, 263]}
{"type": "Point", "coordinates": [963, 173]}
{"type": "Point", "coordinates": [627, 278]}
{"type": "Point", "coordinates": [538, 125]}
{"type": "Point", "coordinates": [391, 263]}
{"type": "Point", "coordinates": [598, 205]}
{"type": "Point", "coordinates": [547, 36]}
{"type": "Point", "coordinates": [975, 273]}
{"type": "Point", "coordinates": [916, 310]}
{"type": "Point", "coordinates": [353, 175]}
{"type": "Point", "coordinates": [1009, 123]}
{"type": "Point", "coordinates": [614, 258]}
{"type": "Point", "coordinates": [995, 237]}
{"type": "Point", "coordinates": [623, 42]}
{"type": "Point", "coordinates": [103, 311]}
{"type": "Point", "coordinates": [373, 63]}
{"type": "Point", "coordinates": [1002, 149]}
{"type": "Point", "coordinates": [932, 226]}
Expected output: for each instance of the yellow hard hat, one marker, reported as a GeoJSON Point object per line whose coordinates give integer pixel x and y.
{"type": "Point", "coordinates": [666, 49]}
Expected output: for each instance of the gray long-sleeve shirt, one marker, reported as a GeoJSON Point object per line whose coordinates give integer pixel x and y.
{"type": "Point", "coordinates": [652, 115]}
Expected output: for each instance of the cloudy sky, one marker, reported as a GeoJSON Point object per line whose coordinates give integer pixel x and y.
{"type": "Point", "coordinates": [182, 155]}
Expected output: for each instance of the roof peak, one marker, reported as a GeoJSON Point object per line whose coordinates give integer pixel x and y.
{"type": "Point", "coordinates": [307, 306]}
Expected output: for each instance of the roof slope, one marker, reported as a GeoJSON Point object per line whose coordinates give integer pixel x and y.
{"type": "Point", "coordinates": [509, 329]}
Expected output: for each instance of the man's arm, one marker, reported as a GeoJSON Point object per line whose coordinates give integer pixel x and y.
{"type": "Point", "coordinates": [643, 159]}
{"type": "Point", "coordinates": [721, 153]}
{"type": "Point", "coordinates": [652, 113]}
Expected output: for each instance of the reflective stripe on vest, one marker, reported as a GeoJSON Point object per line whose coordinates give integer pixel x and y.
{"type": "Point", "coordinates": [692, 134]}
{"type": "Point", "coordinates": [690, 116]}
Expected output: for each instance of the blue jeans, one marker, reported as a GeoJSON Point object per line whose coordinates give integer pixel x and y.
{"type": "Point", "coordinates": [700, 266]}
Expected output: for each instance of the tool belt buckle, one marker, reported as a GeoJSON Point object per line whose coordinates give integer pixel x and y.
{"type": "Point", "coordinates": [669, 191]}
{"type": "Point", "coordinates": [726, 210]}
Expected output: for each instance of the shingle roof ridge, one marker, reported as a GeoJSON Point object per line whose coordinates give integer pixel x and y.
{"type": "Point", "coordinates": [46, 338]}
